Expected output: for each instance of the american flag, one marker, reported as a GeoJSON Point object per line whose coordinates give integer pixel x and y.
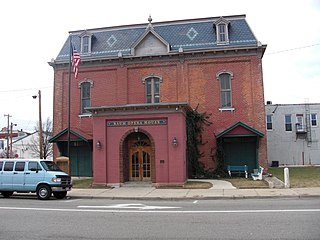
{"type": "Point", "coordinates": [75, 61]}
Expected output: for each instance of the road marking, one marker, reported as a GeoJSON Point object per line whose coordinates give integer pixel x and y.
{"type": "Point", "coordinates": [72, 200]}
{"type": "Point", "coordinates": [130, 206]}
{"type": "Point", "coordinates": [162, 211]}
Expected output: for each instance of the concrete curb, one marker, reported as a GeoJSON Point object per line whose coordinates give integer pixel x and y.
{"type": "Point", "coordinates": [192, 194]}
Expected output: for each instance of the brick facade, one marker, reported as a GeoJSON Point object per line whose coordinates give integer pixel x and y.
{"type": "Point", "coordinates": [186, 77]}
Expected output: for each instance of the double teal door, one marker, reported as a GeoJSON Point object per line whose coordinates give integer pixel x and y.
{"type": "Point", "coordinates": [241, 151]}
{"type": "Point", "coordinates": [81, 160]}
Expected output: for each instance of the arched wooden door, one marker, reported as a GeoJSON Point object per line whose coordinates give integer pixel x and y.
{"type": "Point", "coordinates": [139, 160]}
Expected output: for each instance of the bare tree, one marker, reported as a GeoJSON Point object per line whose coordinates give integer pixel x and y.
{"type": "Point", "coordinates": [46, 145]}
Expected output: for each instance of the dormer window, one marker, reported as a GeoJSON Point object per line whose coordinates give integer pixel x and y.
{"type": "Point", "coordinates": [222, 33]}
{"type": "Point", "coordinates": [222, 26]}
{"type": "Point", "coordinates": [86, 38]}
{"type": "Point", "coordinates": [85, 44]}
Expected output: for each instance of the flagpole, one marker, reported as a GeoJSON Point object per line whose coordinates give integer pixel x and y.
{"type": "Point", "coordinates": [69, 98]}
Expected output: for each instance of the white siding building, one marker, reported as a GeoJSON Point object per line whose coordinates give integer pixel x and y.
{"type": "Point", "coordinates": [293, 134]}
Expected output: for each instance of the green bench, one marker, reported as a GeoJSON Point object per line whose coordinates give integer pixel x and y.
{"type": "Point", "coordinates": [238, 169]}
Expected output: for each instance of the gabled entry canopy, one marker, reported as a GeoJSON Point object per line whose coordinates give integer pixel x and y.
{"type": "Point", "coordinates": [240, 144]}
{"type": "Point", "coordinates": [74, 136]}
{"type": "Point", "coordinates": [240, 129]}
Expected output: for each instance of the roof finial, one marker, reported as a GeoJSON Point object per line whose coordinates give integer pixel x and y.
{"type": "Point", "coordinates": [150, 24]}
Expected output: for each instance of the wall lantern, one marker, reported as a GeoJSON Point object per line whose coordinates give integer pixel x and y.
{"type": "Point", "coordinates": [98, 144]}
{"type": "Point", "coordinates": [174, 142]}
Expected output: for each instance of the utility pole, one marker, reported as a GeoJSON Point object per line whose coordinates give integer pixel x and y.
{"type": "Point", "coordinates": [40, 125]}
{"type": "Point", "coordinates": [11, 126]}
{"type": "Point", "coordinates": [8, 116]}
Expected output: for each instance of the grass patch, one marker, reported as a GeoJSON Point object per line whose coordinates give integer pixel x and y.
{"type": "Point", "coordinates": [197, 185]}
{"type": "Point", "coordinates": [300, 177]}
{"type": "Point", "coordinates": [82, 182]}
{"type": "Point", "coordinates": [247, 183]}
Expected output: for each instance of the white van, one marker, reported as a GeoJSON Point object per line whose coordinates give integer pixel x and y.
{"type": "Point", "coordinates": [33, 175]}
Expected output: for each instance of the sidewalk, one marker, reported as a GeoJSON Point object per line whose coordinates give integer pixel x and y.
{"type": "Point", "coordinates": [221, 190]}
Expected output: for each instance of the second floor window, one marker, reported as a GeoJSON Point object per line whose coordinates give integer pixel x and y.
{"type": "Point", "coordinates": [269, 122]}
{"type": "Point", "coordinates": [299, 124]}
{"type": "Point", "coordinates": [313, 119]}
{"type": "Point", "coordinates": [152, 89]}
{"type": "Point", "coordinates": [288, 123]}
{"type": "Point", "coordinates": [85, 96]}
{"type": "Point", "coordinates": [225, 90]}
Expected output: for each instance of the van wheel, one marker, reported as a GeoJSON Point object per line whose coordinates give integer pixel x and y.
{"type": "Point", "coordinates": [59, 195]}
{"type": "Point", "coordinates": [44, 192]}
{"type": "Point", "coordinates": [7, 194]}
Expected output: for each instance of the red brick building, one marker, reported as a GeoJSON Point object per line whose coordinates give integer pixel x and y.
{"type": "Point", "coordinates": [135, 85]}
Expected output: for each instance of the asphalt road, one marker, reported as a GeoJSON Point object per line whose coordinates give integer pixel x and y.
{"type": "Point", "coordinates": [25, 217]}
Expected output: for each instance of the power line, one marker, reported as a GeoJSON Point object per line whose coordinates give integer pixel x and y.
{"type": "Point", "coordinates": [26, 89]}
{"type": "Point", "coordinates": [293, 49]}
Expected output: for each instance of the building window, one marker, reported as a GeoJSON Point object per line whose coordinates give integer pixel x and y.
{"type": "Point", "coordinates": [86, 38]}
{"type": "Point", "coordinates": [313, 119]}
{"type": "Point", "coordinates": [269, 122]}
{"type": "Point", "coordinates": [299, 123]}
{"type": "Point", "coordinates": [288, 122]}
{"type": "Point", "coordinates": [222, 31]}
{"type": "Point", "coordinates": [85, 44]}
{"type": "Point", "coordinates": [152, 89]}
{"type": "Point", "coordinates": [225, 89]}
{"type": "Point", "coordinates": [85, 97]}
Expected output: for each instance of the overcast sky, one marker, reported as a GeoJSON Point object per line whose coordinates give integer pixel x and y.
{"type": "Point", "coordinates": [34, 31]}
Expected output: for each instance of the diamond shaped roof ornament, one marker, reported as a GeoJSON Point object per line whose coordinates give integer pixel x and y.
{"type": "Point", "coordinates": [192, 33]}
{"type": "Point", "coordinates": [111, 40]}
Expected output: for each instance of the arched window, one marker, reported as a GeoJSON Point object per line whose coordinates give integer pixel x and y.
{"type": "Point", "coordinates": [86, 40]}
{"type": "Point", "coordinates": [85, 95]}
{"type": "Point", "coordinates": [222, 33]}
{"type": "Point", "coordinates": [152, 88]}
{"type": "Point", "coordinates": [224, 78]}
{"type": "Point", "coordinates": [222, 26]}
{"type": "Point", "coordinates": [85, 44]}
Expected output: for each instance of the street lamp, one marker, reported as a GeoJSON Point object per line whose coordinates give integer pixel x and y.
{"type": "Point", "coordinates": [40, 124]}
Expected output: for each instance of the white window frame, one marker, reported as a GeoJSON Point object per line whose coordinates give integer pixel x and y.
{"type": "Point", "coordinates": [287, 123]}
{"type": "Point", "coordinates": [84, 36]}
{"type": "Point", "coordinates": [222, 91]}
{"type": "Point", "coordinates": [299, 122]}
{"type": "Point", "coordinates": [269, 122]}
{"type": "Point", "coordinates": [80, 86]}
{"type": "Point", "coordinates": [222, 24]}
{"type": "Point", "coordinates": [316, 119]}
{"type": "Point", "coordinates": [153, 95]}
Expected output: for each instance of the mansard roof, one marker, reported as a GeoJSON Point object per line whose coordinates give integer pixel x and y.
{"type": "Point", "coordinates": [182, 35]}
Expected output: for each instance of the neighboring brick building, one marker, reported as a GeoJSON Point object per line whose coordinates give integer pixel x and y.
{"type": "Point", "coordinates": [136, 83]}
